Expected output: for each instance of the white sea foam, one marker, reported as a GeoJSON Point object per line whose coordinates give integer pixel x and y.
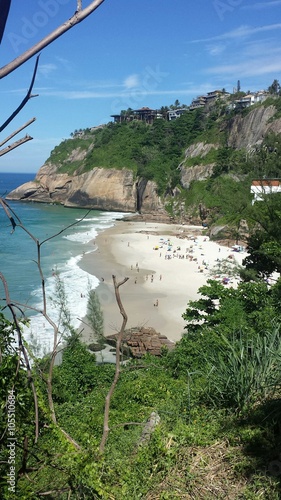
{"type": "Point", "coordinates": [76, 283]}
{"type": "Point", "coordinates": [82, 237]}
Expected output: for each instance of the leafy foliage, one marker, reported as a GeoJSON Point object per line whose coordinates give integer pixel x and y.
{"type": "Point", "coordinates": [250, 308]}
{"type": "Point", "coordinates": [95, 317]}
{"type": "Point", "coordinates": [264, 243]}
{"type": "Point", "coordinates": [245, 371]}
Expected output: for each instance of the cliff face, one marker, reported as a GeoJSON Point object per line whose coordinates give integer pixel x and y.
{"type": "Point", "coordinates": [119, 190]}
{"type": "Point", "coordinates": [250, 130]}
{"type": "Point", "coordinates": [101, 189]}
{"type": "Point", "coordinates": [197, 172]}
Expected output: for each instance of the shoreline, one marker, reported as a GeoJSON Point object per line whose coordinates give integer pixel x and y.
{"type": "Point", "coordinates": [166, 265]}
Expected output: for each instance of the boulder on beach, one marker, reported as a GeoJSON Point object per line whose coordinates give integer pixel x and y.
{"type": "Point", "coordinates": [139, 341]}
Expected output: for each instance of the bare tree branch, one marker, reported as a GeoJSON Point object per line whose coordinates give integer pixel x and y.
{"type": "Point", "coordinates": [4, 9]}
{"type": "Point", "coordinates": [117, 364]}
{"type": "Point", "coordinates": [23, 351]}
{"type": "Point", "coordinates": [15, 145]}
{"type": "Point", "coordinates": [25, 100]}
{"type": "Point", "coordinates": [75, 19]}
{"type": "Point", "coordinates": [16, 222]}
{"type": "Point", "coordinates": [17, 131]}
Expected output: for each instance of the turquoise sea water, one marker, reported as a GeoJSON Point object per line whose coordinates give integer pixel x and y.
{"type": "Point", "coordinates": [18, 256]}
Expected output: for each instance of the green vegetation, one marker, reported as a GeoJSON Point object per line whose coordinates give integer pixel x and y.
{"type": "Point", "coordinates": [62, 154]}
{"type": "Point", "coordinates": [218, 401]}
{"type": "Point", "coordinates": [154, 152]}
{"type": "Point", "coordinates": [218, 393]}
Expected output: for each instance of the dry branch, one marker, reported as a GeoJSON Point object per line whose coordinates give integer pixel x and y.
{"type": "Point", "coordinates": [16, 222]}
{"type": "Point", "coordinates": [117, 364]}
{"type": "Point", "coordinates": [22, 350]}
{"type": "Point", "coordinates": [17, 131]}
{"type": "Point", "coordinates": [5, 7]}
{"type": "Point", "coordinates": [25, 100]}
{"type": "Point", "coordinates": [15, 145]}
{"type": "Point", "coordinates": [75, 19]}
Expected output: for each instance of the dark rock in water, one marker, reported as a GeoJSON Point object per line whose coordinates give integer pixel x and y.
{"type": "Point", "coordinates": [95, 347]}
{"type": "Point", "coordinates": [137, 342]}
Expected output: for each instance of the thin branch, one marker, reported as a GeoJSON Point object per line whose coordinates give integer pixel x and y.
{"type": "Point", "coordinates": [25, 100]}
{"type": "Point", "coordinates": [53, 492]}
{"type": "Point", "coordinates": [23, 350]}
{"type": "Point", "coordinates": [44, 313]}
{"type": "Point", "coordinates": [6, 209]}
{"type": "Point", "coordinates": [17, 131]}
{"type": "Point", "coordinates": [117, 364]}
{"type": "Point", "coordinates": [5, 7]}
{"type": "Point", "coordinates": [15, 145]}
{"type": "Point", "coordinates": [75, 19]}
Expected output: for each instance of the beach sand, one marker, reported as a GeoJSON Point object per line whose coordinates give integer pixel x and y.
{"type": "Point", "coordinates": [159, 288]}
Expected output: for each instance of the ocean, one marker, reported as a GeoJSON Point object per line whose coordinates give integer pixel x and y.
{"type": "Point", "coordinates": [59, 257]}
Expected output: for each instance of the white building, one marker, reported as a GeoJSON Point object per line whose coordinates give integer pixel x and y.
{"type": "Point", "coordinates": [173, 114]}
{"type": "Point", "coordinates": [262, 187]}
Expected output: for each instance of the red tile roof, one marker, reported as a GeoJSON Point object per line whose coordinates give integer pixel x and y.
{"type": "Point", "coordinates": [266, 182]}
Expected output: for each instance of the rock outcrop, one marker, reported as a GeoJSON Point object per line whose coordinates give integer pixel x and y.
{"type": "Point", "coordinates": [137, 342]}
{"type": "Point", "coordinates": [250, 130]}
{"type": "Point", "coordinates": [197, 172]}
{"type": "Point", "coordinates": [100, 188]}
{"type": "Point", "coordinates": [119, 190]}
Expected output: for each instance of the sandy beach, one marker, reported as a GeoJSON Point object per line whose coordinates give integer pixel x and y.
{"type": "Point", "coordinates": [165, 263]}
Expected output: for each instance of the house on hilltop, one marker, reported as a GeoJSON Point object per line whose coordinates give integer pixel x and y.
{"type": "Point", "coordinates": [173, 114]}
{"type": "Point", "coordinates": [144, 114]}
{"type": "Point", "coordinates": [199, 102]}
{"type": "Point", "coordinates": [262, 187]}
{"type": "Point", "coordinates": [216, 94]}
{"type": "Point", "coordinates": [250, 99]}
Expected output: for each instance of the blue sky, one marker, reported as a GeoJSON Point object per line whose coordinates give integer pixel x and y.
{"type": "Point", "coordinates": [130, 53]}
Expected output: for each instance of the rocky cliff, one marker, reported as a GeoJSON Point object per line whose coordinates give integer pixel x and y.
{"type": "Point", "coordinates": [101, 189]}
{"type": "Point", "coordinates": [250, 130]}
{"type": "Point", "coordinates": [121, 189]}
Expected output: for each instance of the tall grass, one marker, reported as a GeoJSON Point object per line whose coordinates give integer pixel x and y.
{"type": "Point", "coordinates": [244, 372]}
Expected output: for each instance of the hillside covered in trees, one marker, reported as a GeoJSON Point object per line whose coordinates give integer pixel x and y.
{"type": "Point", "coordinates": [203, 420]}
{"type": "Point", "coordinates": [197, 167]}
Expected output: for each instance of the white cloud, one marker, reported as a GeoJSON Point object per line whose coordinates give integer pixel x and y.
{"type": "Point", "coordinates": [248, 68]}
{"type": "Point", "coordinates": [65, 63]}
{"type": "Point", "coordinates": [84, 94]}
{"type": "Point", "coordinates": [215, 49]}
{"type": "Point", "coordinates": [241, 32]}
{"type": "Point", "coordinates": [46, 69]}
{"type": "Point", "coordinates": [262, 5]}
{"type": "Point", "coordinates": [132, 81]}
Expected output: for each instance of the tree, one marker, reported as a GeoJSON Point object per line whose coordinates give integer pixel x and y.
{"type": "Point", "coordinates": [264, 242]}
{"type": "Point", "coordinates": [274, 88]}
{"type": "Point", "coordinates": [250, 307]}
{"type": "Point", "coordinates": [95, 317]}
